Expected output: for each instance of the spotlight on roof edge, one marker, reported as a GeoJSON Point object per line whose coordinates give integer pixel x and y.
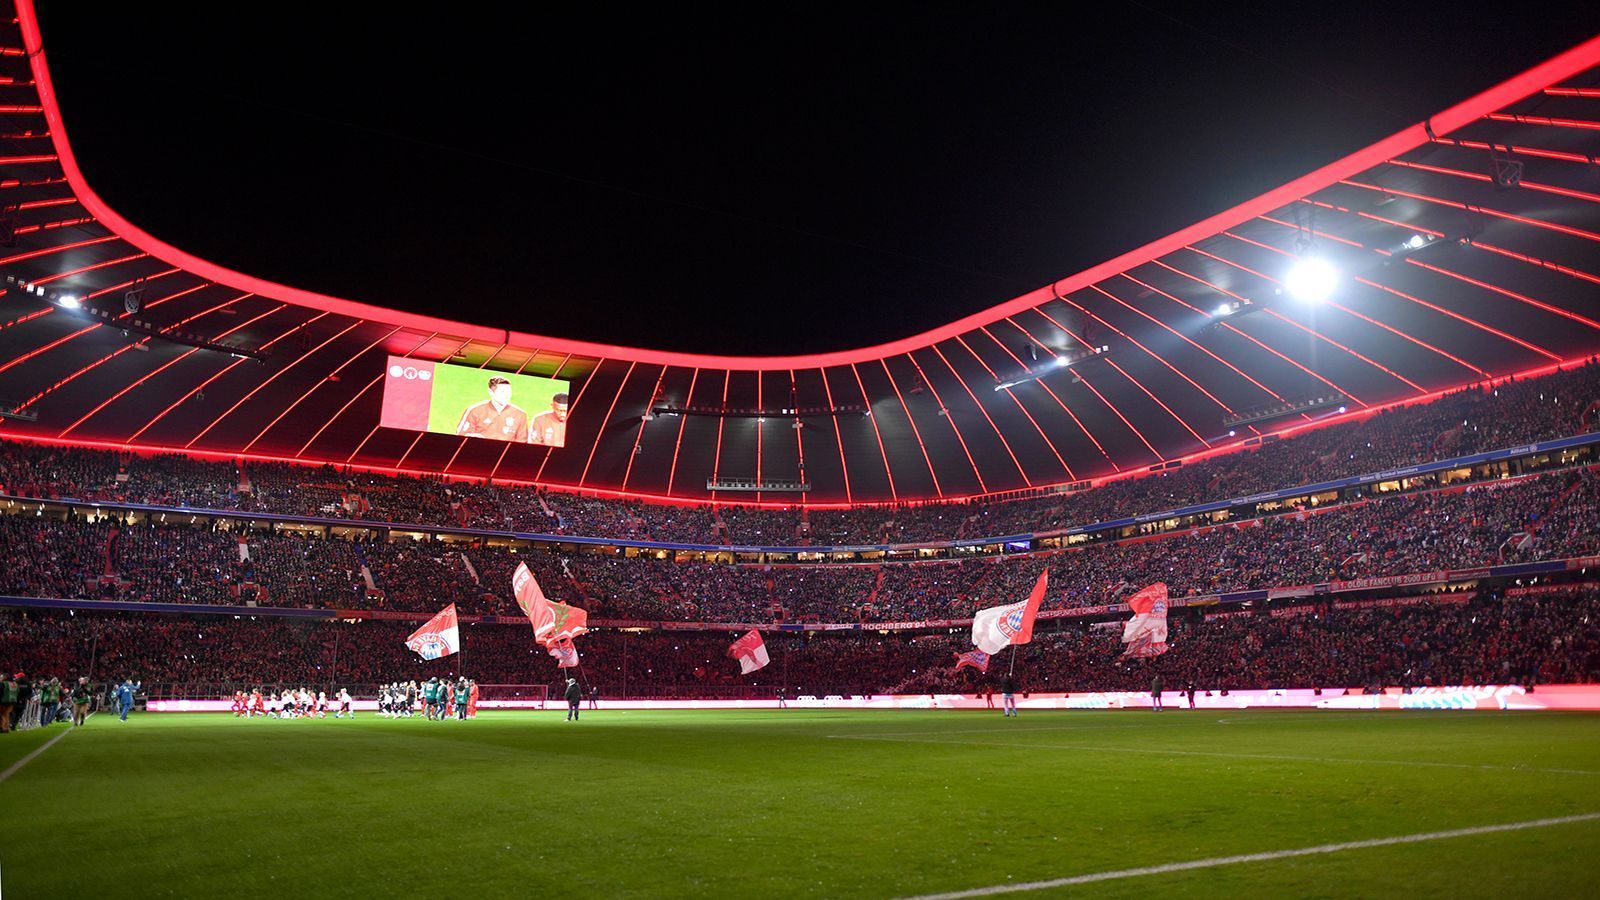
{"type": "Point", "coordinates": [1063, 361]}
{"type": "Point", "coordinates": [67, 301]}
{"type": "Point", "coordinates": [1312, 279]}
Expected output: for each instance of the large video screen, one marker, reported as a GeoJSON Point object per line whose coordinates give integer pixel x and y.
{"type": "Point", "coordinates": [424, 396]}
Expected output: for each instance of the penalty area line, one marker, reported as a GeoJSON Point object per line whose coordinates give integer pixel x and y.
{"type": "Point", "coordinates": [1259, 857]}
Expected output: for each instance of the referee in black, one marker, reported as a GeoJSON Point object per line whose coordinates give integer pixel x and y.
{"type": "Point", "coordinates": [574, 698]}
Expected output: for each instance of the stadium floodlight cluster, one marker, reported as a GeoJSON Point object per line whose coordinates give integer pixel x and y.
{"type": "Point", "coordinates": [1289, 408]}
{"type": "Point", "coordinates": [129, 325]}
{"type": "Point", "coordinates": [1064, 361]}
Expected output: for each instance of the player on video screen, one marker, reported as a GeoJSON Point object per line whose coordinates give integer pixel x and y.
{"type": "Point", "coordinates": [550, 428]}
{"type": "Point", "coordinates": [496, 417]}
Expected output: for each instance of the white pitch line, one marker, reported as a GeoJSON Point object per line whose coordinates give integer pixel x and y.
{"type": "Point", "coordinates": [29, 758]}
{"type": "Point", "coordinates": [1258, 857]}
{"type": "Point", "coordinates": [1220, 754]}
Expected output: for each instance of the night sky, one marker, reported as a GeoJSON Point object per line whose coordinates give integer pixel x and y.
{"type": "Point", "coordinates": [775, 179]}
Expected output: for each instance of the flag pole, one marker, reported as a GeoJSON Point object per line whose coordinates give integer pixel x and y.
{"type": "Point", "coordinates": [1013, 665]}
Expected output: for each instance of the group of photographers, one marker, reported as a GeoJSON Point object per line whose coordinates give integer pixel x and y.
{"type": "Point", "coordinates": [55, 701]}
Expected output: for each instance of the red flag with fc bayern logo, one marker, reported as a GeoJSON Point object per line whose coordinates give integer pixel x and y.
{"type": "Point", "coordinates": [750, 651]}
{"type": "Point", "coordinates": [439, 636]}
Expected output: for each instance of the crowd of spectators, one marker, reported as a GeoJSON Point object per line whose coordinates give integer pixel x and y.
{"type": "Point", "coordinates": [1550, 516]}
{"type": "Point", "coordinates": [1469, 420]}
{"type": "Point", "coordinates": [1462, 640]}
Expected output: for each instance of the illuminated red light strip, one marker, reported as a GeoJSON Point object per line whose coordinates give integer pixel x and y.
{"type": "Point", "coordinates": [204, 384]}
{"type": "Point", "coordinates": [949, 417]}
{"type": "Point", "coordinates": [716, 458]}
{"type": "Point", "coordinates": [571, 407]}
{"type": "Point", "coordinates": [1561, 155]}
{"type": "Point", "coordinates": [51, 226]}
{"type": "Point", "coordinates": [1521, 298]}
{"type": "Point", "coordinates": [1229, 326]}
{"type": "Point", "coordinates": [1053, 395]}
{"type": "Point", "coordinates": [1155, 290]}
{"type": "Point", "coordinates": [838, 436]}
{"type": "Point", "coordinates": [1584, 124]}
{"type": "Point", "coordinates": [1415, 340]}
{"type": "Point", "coordinates": [41, 204]}
{"type": "Point", "coordinates": [89, 268]}
{"type": "Point", "coordinates": [348, 403]}
{"type": "Point", "coordinates": [600, 432]}
{"type": "Point", "coordinates": [914, 430]}
{"type": "Point", "coordinates": [29, 317]}
{"type": "Point", "coordinates": [1181, 374]}
{"type": "Point", "coordinates": [672, 473]}
{"type": "Point", "coordinates": [1476, 176]}
{"type": "Point", "coordinates": [1003, 442]}
{"type": "Point", "coordinates": [1460, 318]}
{"type": "Point", "coordinates": [59, 248]}
{"type": "Point", "coordinates": [639, 439]}
{"type": "Point", "coordinates": [47, 347]}
{"type": "Point", "coordinates": [462, 443]}
{"type": "Point", "coordinates": [1499, 214]}
{"type": "Point", "coordinates": [1014, 398]}
{"type": "Point", "coordinates": [1153, 355]}
{"type": "Point", "coordinates": [414, 441]}
{"type": "Point", "coordinates": [18, 109]}
{"type": "Point", "coordinates": [129, 283]}
{"type": "Point", "coordinates": [290, 408]}
{"type": "Point", "coordinates": [799, 444]}
{"type": "Point", "coordinates": [1350, 350]}
{"type": "Point", "coordinates": [1344, 309]}
{"type": "Point", "coordinates": [1593, 93]}
{"type": "Point", "coordinates": [520, 369]}
{"type": "Point", "coordinates": [26, 160]}
{"type": "Point", "coordinates": [274, 377]}
{"type": "Point", "coordinates": [116, 353]}
{"type": "Point", "coordinates": [1096, 391]}
{"type": "Point", "coordinates": [760, 421]}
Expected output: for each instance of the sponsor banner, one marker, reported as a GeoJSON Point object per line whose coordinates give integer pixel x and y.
{"type": "Point", "coordinates": [1472, 697]}
{"type": "Point", "coordinates": [1459, 597]}
{"type": "Point", "coordinates": [1299, 590]}
{"type": "Point", "coordinates": [1535, 589]}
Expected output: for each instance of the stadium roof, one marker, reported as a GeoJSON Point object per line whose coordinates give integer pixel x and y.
{"type": "Point", "coordinates": [1466, 247]}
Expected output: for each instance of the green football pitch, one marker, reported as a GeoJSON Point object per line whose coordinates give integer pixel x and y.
{"type": "Point", "coordinates": [819, 803]}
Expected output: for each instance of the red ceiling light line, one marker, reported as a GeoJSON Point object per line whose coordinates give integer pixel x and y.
{"type": "Point", "coordinates": [1479, 245]}
{"type": "Point", "coordinates": [358, 395]}
{"type": "Point", "coordinates": [290, 408]}
{"type": "Point", "coordinates": [838, 437]}
{"type": "Point", "coordinates": [571, 408]}
{"type": "Point", "coordinates": [1476, 176]}
{"type": "Point", "coordinates": [89, 268]}
{"type": "Point", "coordinates": [462, 443]}
{"type": "Point", "coordinates": [460, 348]}
{"type": "Point", "coordinates": [41, 204]}
{"type": "Point", "coordinates": [672, 472]}
{"type": "Point", "coordinates": [1499, 214]}
{"type": "Point", "coordinates": [1454, 315]}
{"type": "Point", "coordinates": [716, 457]}
{"type": "Point", "coordinates": [1419, 388]}
{"type": "Point", "coordinates": [1053, 395]}
{"type": "Point", "coordinates": [520, 369]}
{"type": "Point", "coordinates": [274, 377]}
{"type": "Point", "coordinates": [1096, 391]}
{"type": "Point", "coordinates": [1229, 326]}
{"type": "Point", "coordinates": [119, 351]}
{"type": "Point", "coordinates": [1583, 124]}
{"type": "Point", "coordinates": [47, 347]}
{"type": "Point", "coordinates": [949, 417]}
{"type": "Point", "coordinates": [27, 160]}
{"type": "Point", "coordinates": [1539, 152]}
{"type": "Point", "coordinates": [1592, 93]}
{"type": "Point", "coordinates": [1521, 298]}
{"type": "Point", "coordinates": [637, 441]}
{"type": "Point", "coordinates": [1153, 355]}
{"type": "Point", "coordinates": [1177, 371]}
{"type": "Point", "coordinates": [1555, 69]}
{"type": "Point", "coordinates": [799, 444]}
{"type": "Point", "coordinates": [997, 433]}
{"type": "Point", "coordinates": [915, 432]}
{"type": "Point", "coordinates": [760, 420]}
{"type": "Point", "coordinates": [59, 248]}
{"type": "Point", "coordinates": [600, 432]}
{"type": "Point", "coordinates": [28, 317]}
{"type": "Point", "coordinates": [1312, 332]}
{"type": "Point", "coordinates": [52, 226]}
{"type": "Point", "coordinates": [129, 283]}
{"type": "Point", "coordinates": [1018, 401]}
{"type": "Point", "coordinates": [202, 385]}
{"type": "Point", "coordinates": [1395, 331]}
{"type": "Point", "coordinates": [1356, 415]}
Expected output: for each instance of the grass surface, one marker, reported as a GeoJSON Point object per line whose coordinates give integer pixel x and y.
{"type": "Point", "coordinates": [818, 803]}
